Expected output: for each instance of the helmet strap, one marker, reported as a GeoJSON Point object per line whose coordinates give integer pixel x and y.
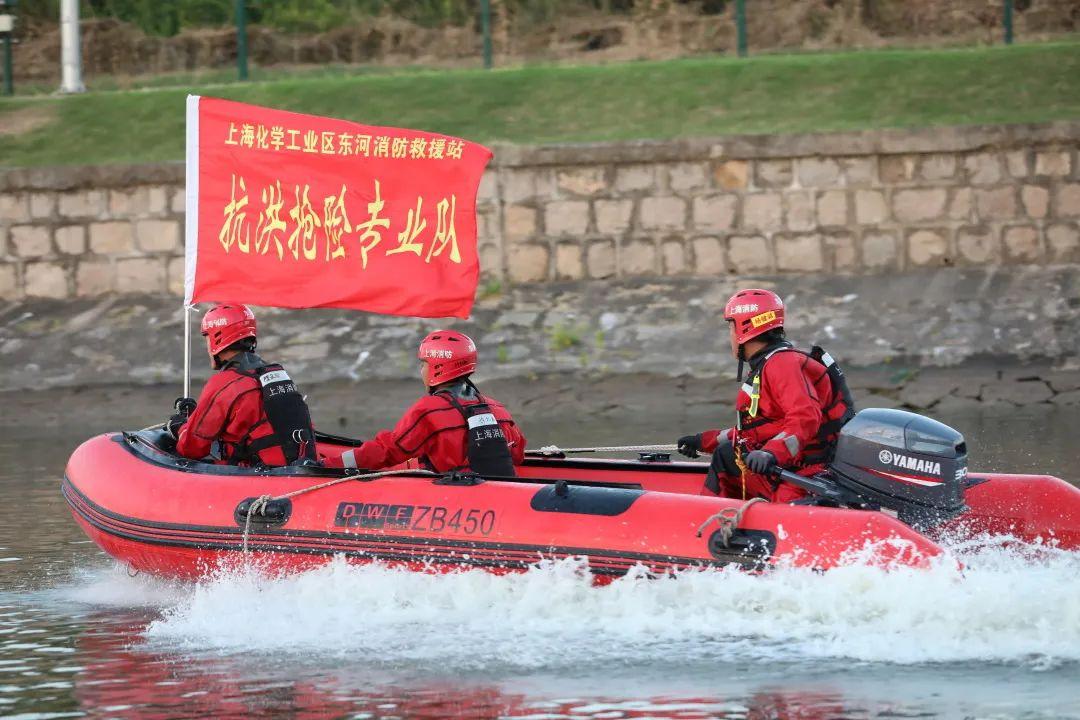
{"type": "Point", "coordinates": [742, 362]}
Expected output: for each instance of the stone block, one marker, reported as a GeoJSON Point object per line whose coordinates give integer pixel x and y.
{"type": "Point", "coordinates": [14, 208]}
{"type": "Point", "coordinates": [566, 217]}
{"type": "Point", "coordinates": [45, 280]}
{"type": "Point", "coordinates": [858, 171]}
{"type": "Point", "coordinates": [870, 207]}
{"type": "Point", "coordinates": [491, 265]}
{"type": "Point", "coordinates": [1016, 162]}
{"type": "Point", "coordinates": [42, 205]}
{"type": "Point", "coordinates": [733, 174]}
{"type": "Point", "coordinates": [817, 172]}
{"type": "Point", "coordinates": [518, 184]}
{"type": "Point", "coordinates": [96, 277]}
{"type": "Point", "coordinates": [832, 208]}
{"type": "Point", "coordinates": [128, 203]}
{"type": "Point", "coordinates": [663, 213]}
{"type": "Point", "coordinates": [568, 262]}
{"type": "Point", "coordinates": [71, 240]}
{"type": "Point", "coordinates": [1022, 243]}
{"type": "Point", "coordinates": [799, 253]}
{"type": "Point", "coordinates": [157, 235]}
{"type": "Point", "coordinates": [939, 166]}
{"type": "Point", "coordinates": [928, 247]}
{"type": "Point", "coordinates": [519, 221]}
{"type": "Point", "coordinates": [158, 199]}
{"type": "Point", "coordinates": [798, 205]}
{"type": "Point", "coordinates": [30, 241]}
{"type": "Point", "coordinates": [960, 200]}
{"type": "Point", "coordinates": [9, 283]}
{"type": "Point", "coordinates": [179, 202]}
{"type": "Point", "coordinates": [896, 169]}
{"type": "Point", "coordinates": [799, 213]}
{"type": "Point", "coordinates": [1056, 163]}
{"type": "Point", "coordinates": [1017, 393]}
{"type": "Point", "coordinates": [879, 250]}
{"type": "Point", "coordinates": [82, 204]}
{"type": "Point", "coordinates": [112, 238]}
{"type": "Point", "coordinates": [488, 191]}
{"type": "Point", "coordinates": [688, 176]}
{"type": "Point", "coordinates": [977, 244]}
{"type": "Point", "coordinates": [773, 174]}
{"type": "Point", "coordinates": [600, 259]}
{"type": "Point", "coordinates": [1067, 200]}
{"type": "Point", "coordinates": [1036, 201]}
{"type": "Point", "coordinates": [763, 211]}
{"type": "Point", "coordinates": [673, 257]}
{"type": "Point", "coordinates": [629, 178]}
{"type": "Point", "coordinates": [996, 203]}
{"type": "Point", "coordinates": [1063, 242]}
{"type": "Point", "coordinates": [748, 254]}
{"type": "Point", "coordinates": [140, 275]}
{"type": "Point", "coordinates": [527, 262]}
{"type": "Point", "coordinates": [914, 206]}
{"type": "Point", "coordinates": [715, 212]}
{"type": "Point", "coordinates": [708, 256]}
{"type": "Point", "coordinates": [587, 181]}
{"type": "Point", "coordinates": [613, 216]}
{"type": "Point", "coordinates": [487, 224]}
{"type": "Point", "coordinates": [841, 251]}
{"type": "Point", "coordinates": [638, 257]}
{"type": "Point", "coordinates": [175, 273]}
{"type": "Point", "coordinates": [983, 168]}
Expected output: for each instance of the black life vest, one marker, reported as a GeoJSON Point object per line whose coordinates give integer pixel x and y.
{"type": "Point", "coordinates": [486, 446]}
{"type": "Point", "coordinates": [837, 409]}
{"type": "Point", "coordinates": [284, 409]}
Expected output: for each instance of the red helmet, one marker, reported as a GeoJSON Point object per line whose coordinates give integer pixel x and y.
{"type": "Point", "coordinates": [754, 312]}
{"type": "Point", "coordinates": [448, 354]}
{"type": "Point", "coordinates": [223, 325]}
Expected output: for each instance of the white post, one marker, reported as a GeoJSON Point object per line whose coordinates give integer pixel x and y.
{"type": "Point", "coordinates": [187, 351]}
{"type": "Point", "coordinates": [71, 52]}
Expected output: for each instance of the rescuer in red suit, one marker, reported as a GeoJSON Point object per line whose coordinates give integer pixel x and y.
{"type": "Point", "coordinates": [250, 407]}
{"type": "Point", "coordinates": [788, 411]}
{"type": "Point", "coordinates": [453, 427]}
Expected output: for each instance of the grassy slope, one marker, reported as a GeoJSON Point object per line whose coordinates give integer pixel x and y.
{"type": "Point", "coordinates": [697, 97]}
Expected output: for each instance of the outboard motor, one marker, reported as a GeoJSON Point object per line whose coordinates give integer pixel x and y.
{"type": "Point", "coordinates": [903, 462]}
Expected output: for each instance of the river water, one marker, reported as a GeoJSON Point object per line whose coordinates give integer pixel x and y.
{"type": "Point", "coordinates": [80, 638]}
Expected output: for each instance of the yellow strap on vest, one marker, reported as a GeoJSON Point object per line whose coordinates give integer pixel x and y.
{"type": "Point", "coordinates": [755, 396]}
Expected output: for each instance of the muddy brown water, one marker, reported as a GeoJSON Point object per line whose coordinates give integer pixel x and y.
{"type": "Point", "coordinates": [79, 638]}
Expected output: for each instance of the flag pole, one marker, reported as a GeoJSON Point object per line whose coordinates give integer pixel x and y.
{"type": "Point", "coordinates": [187, 351]}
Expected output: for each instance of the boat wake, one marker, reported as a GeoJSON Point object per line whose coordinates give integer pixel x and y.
{"type": "Point", "coordinates": [1002, 606]}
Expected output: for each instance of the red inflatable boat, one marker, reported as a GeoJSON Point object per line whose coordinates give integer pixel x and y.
{"type": "Point", "coordinates": [173, 517]}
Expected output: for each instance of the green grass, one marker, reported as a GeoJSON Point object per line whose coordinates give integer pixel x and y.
{"type": "Point", "coordinates": [694, 97]}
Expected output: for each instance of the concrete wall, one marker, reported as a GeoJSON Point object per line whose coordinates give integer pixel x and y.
{"type": "Point", "coordinates": [863, 203]}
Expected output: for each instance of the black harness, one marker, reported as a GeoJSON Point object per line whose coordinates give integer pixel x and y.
{"type": "Point", "coordinates": [286, 412]}
{"type": "Point", "coordinates": [486, 446]}
{"type": "Point", "coordinates": [823, 449]}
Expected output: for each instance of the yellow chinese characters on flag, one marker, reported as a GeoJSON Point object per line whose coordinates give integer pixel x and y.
{"type": "Point", "coordinates": [293, 210]}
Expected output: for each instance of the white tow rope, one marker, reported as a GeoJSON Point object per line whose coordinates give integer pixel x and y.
{"type": "Point", "coordinates": [556, 450]}
{"type": "Point", "coordinates": [729, 520]}
{"type": "Point", "coordinates": [258, 505]}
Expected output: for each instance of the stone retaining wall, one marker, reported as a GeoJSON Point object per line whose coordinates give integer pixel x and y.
{"type": "Point", "coordinates": [865, 203]}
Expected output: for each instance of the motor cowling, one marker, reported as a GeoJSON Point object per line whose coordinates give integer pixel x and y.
{"type": "Point", "coordinates": [904, 462]}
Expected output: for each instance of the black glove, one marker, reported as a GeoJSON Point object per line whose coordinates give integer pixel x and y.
{"type": "Point", "coordinates": [173, 425]}
{"type": "Point", "coordinates": [185, 406]}
{"type": "Point", "coordinates": [761, 462]}
{"type": "Point", "coordinates": [689, 445]}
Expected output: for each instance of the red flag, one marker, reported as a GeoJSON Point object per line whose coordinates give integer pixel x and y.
{"type": "Point", "coordinates": [301, 211]}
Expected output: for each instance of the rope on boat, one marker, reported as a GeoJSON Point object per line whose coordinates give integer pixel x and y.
{"type": "Point", "coordinates": [555, 450]}
{"type": "Point", "coordinates": [729, 519]}
{"type": "Point", "coordinates": [258, 505]}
